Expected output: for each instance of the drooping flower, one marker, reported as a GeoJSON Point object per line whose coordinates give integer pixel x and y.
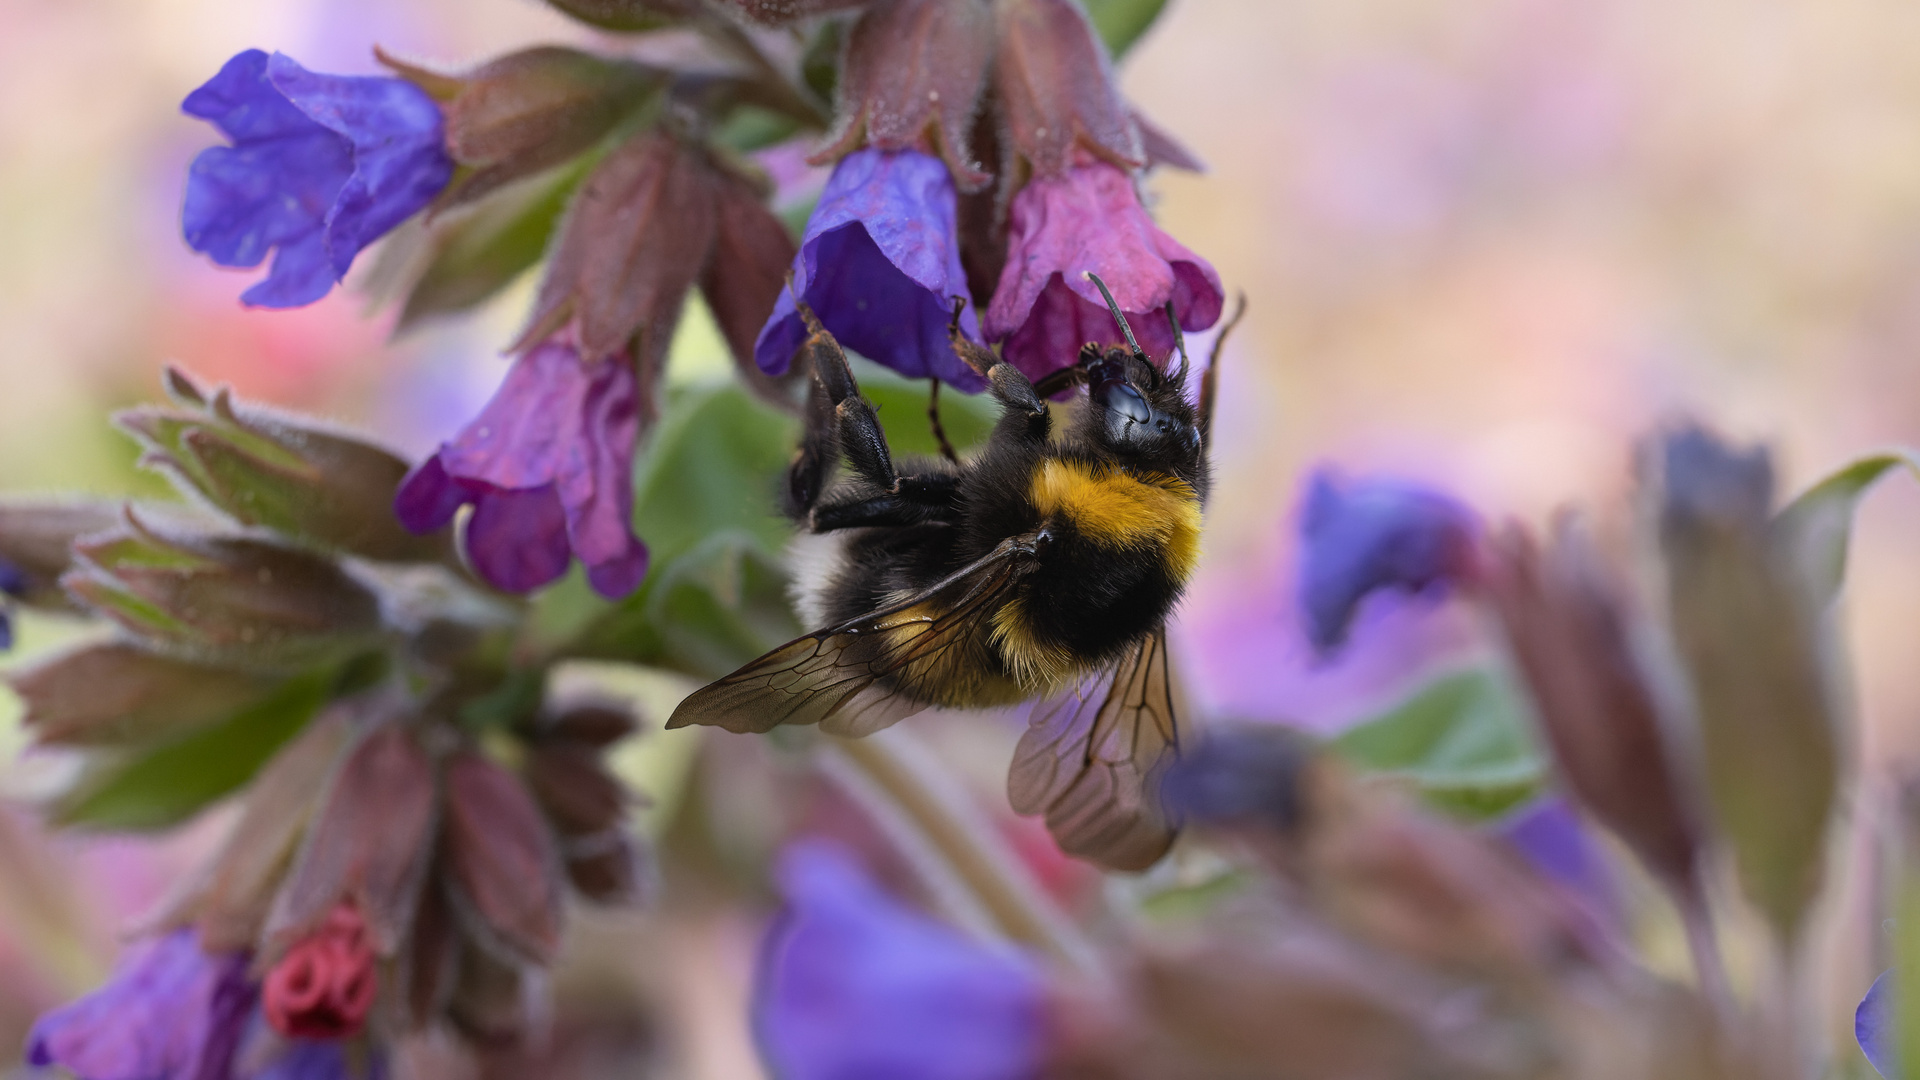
{"type": "Point", "coordinates": [852, 984]}
{"type": "Point", "coordinates": [1088, 219]}
{"type": "Point", "coordinates": [547, 467]}
{"type": "Point", "coordinates": [320, 167]}
{"type": "Point", "coordinates": [880, 265]}
{"type": "Point", "coordinates": [170, 1012]}
{"type": "Point", "coordinates": [324, 986]}
{"type": "Point", "coordinates": [1874, 1025]}
{"type": "Point", "coordinates": [1365, 535]}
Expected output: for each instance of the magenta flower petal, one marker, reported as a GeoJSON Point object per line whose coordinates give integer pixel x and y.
{"type": "Point", "coordinates": [548, 468]}
{"type": "Point", "coordinates": [1089, 219]}
{"type": "Point", "coordinates": [169, 1012]}
{"type": "Point", "coordinates": [320, 167]}
{"type": "Point", "coordinates": [1367, 535]}
{"type": "Point", "coordinates": [854, 985]}
{"type": "Point", "coordinates": [880, 265]}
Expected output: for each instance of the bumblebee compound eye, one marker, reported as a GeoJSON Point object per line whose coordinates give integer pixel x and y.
{"type": "Point", "coordinates": [1120, 398]}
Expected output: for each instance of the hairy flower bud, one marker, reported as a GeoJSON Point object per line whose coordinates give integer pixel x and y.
{"type": "Point", "coordinates": [632, 245]}
{"type": "Point", "coordinates": [322, 487]}
{"type": "Point", "coordinates": [1056, 88]}
{"type": "Point", "coordinates": [529, 111]}
{"type": "Point", "coordinates": [1758, 676]}
{"type": "Point", "coordinates": [238, 598]}
{"type": "Point", "coordinates": [502, 858]}
{"type": "Point", "coordinates": [746, 273]}
{"type": "Point", "coordinates": [117, 693]}
{"type": "Point", "coordinates": [324, 986]}
{"type": "Point", "coordinates": [36, 542]}
{"type": "Point", "coordinates": [1568, 628]}
{"type": "Point", "coordinates": [913, 76]}
{"type": "Point", "coordinates": [369, 845]}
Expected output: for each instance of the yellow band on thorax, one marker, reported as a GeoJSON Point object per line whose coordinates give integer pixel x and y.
{"type": "Point", "coordinates": [1122, 509]}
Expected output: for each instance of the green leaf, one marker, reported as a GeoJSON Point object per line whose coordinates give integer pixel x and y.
{"type": "Point", "coordinates": [1813, 529]}
{"type": "Point", "coordinates": [164, 786]}
{"type": "Point", "coordinates": [1121, 22]}
{"type": "Point", "coordinates": [1462, 739]}
{"type": "Point", "coordinates": [474, 252]}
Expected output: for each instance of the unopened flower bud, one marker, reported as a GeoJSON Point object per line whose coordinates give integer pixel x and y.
{"type": "Point", "coordinates": [36, 540]}
{"type": "Point", "coordinates": [1244, 776]}
{"type": "Point", "coordinates": [502, 858]}
{"type": "Point", "coordinates": [238, 598]}
{"type": "Point", "coordinates": [1056, 88]}
{"type": "Point", "coordinates": [590, 724]}
{"type": "Point", "coordinates": [117, 693]}
{"type": "Point", "coordinates": [574, 788]}
{"type": "Point", "coordinates": [631, 246]}
{"type": "Point", "coordinates": [318, 486]}
{"type": "Point", "coordinates": [370, 844]}
{"type": "Point", "coordinates": [1570, 632]}
{"type": "Point", "coordinates": [530, 110]}
{"type": "Point", "coordinates": [746, 273]}
{"type": "Point", "coordinates": [913, 76]}
{"type": "Point", "coordinates": [324, 986]}
{"type": "Point", "coordinates": [1753, 655]}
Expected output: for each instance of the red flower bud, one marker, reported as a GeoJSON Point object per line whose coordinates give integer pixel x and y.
{"type": "Point", "coordinates": [324, 986]}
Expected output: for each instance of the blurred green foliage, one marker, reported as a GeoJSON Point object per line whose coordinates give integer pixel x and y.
{"type": "Point", "coordinates": [1461, 739]}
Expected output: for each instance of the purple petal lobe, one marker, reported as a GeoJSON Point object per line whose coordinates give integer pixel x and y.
{"type": "Point", "coordinates": [1551, 837]}
{"type": "Point", "coordinates": [852, 985]}
{"type": "Point", "coordinates": [169, 1012]}
{"type": "Point", "coordinates": [880, 265]}
{"type": "Point", "coordinates": [548, 467]}
{"type": "Point", "coordinates": [316, 1059]}
{"type": "Point", "coordinates": [1374, 534]}
{"type": "Point", "coordinates": [1089, 219]}
{"type": "Point", "coordinates": [320, 167]}
{"type": "Point", "coordinates": [1874, 1024]}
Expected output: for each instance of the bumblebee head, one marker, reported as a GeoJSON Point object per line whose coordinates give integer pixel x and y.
{"type": "Point", "coordinates": [1136, 412]}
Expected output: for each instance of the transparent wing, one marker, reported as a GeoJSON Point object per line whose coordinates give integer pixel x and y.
{"type": "Point", "coordinates": [1092, 757]}
{"type": "Point", "coordinates": [860, 676]}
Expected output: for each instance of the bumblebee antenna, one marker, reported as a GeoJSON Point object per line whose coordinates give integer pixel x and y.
{"type": "Point", "coordinates": [1118, 315]}
{"type": "Point", "coordinates": [1179, 341]}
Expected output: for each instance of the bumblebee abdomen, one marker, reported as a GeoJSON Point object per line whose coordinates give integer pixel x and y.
{"type": "Point", "coordinates": [1121, 548]}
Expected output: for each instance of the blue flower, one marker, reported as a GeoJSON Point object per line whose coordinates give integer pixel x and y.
{"type": "Point", "coordinates": [320, 167]}
{"type": "Point", "coordinates": [880, 265]}
{"type": "Point", "coordinates": [1555, 841]}
{"type": "Point", "coordinates": [1373, 534]}
{"type": "Point", "coordinates": [13, 583]}
{"type": "Point", "coordinates": [170, 1012]}
{"type": "Point", "coordinates": [1876, 1026]}
{"type": "Point", "coordinates": [311, 1059]}
{"type": "Point", "coordinates": [853, 985]}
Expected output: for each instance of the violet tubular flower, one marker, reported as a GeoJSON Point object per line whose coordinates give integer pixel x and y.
{"type": "Point", "coordinates": [548, 469]}
{"type": "Point", "coordinates": [852, 985]}
{"type": "Point", "coordinates": [170, 1012]}
{"type": "Point", "coordinates": [880, 265]}
{"type": "Point", "coordinates": [320, 167]}
{"type": "Point", "coordinates": [1874, 1026]}
{"type": "Point", "coordinates": [1088, 219]}
{"type": "Point", "coordinates": [1361, 536]}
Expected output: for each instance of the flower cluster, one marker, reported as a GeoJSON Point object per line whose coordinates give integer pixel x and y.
{"type": "Point", "coordinates": [983, 161]}
{"type": "Point", "coordinates": [389, 869]}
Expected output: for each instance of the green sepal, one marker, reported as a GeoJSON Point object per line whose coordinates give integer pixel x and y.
{"type": "Point", "coordinates": [1121, 23]}
{"type": "Point", "coordinates": [164, 786]}
{"type": "Point", "coordinates": [1815, 527]}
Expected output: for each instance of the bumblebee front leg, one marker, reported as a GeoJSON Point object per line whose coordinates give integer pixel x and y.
{"type": "Point", "coordinates": [1026, 410]}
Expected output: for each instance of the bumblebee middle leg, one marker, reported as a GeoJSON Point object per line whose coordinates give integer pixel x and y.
{"type": "Point", "coordinates": [842, 423]}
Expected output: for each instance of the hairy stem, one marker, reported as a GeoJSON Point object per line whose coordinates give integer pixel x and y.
{"type": "Point", "coordinates": [900, 769]}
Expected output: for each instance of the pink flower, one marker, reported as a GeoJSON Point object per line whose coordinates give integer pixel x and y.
{"type": "Point", "coordinates": [1089, 218]}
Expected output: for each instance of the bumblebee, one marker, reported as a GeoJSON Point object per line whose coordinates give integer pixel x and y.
{"type": "Point", "coordinates": [1045, 566]}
